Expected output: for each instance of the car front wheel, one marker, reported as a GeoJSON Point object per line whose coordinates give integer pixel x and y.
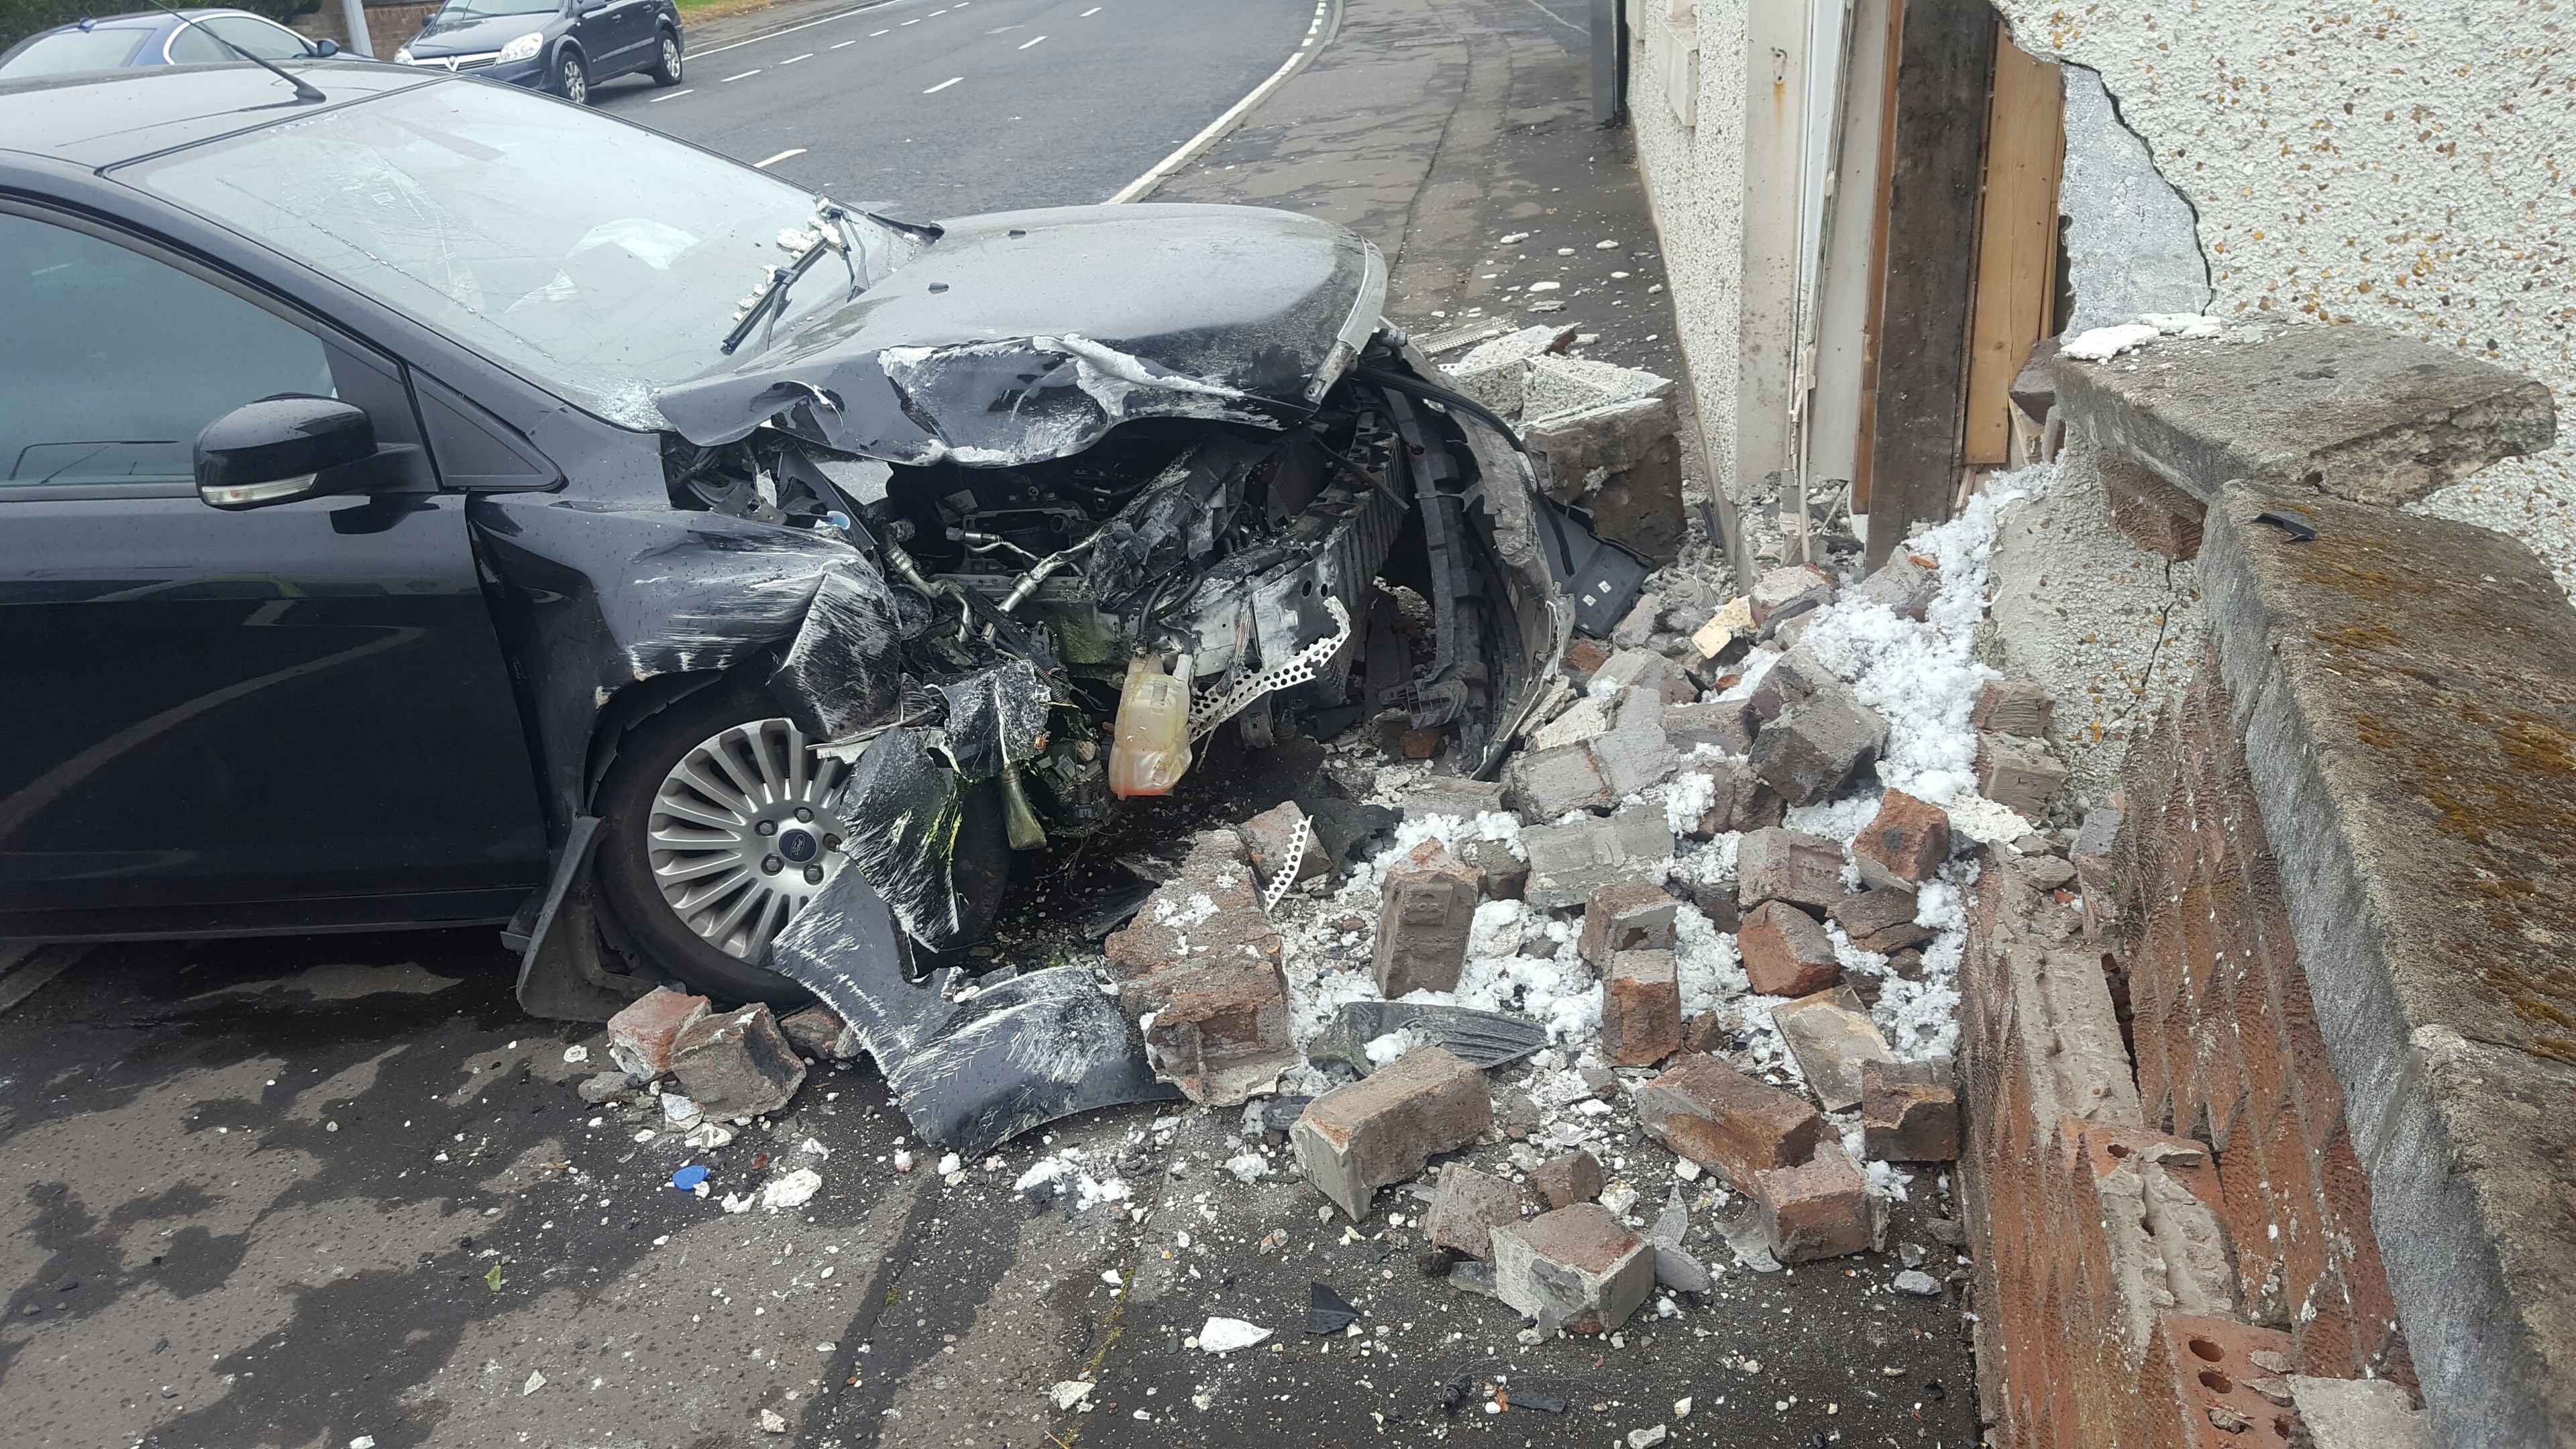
{"type": "Point", "coordinates": [572, 78]}
{"type": "Point", "coordinates": [719, 822]}
{"type": "Point", "coordinates": [666, 66]}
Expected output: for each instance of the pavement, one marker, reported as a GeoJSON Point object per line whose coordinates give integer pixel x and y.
{"type": "Point", "coordinates": [326, 1190]}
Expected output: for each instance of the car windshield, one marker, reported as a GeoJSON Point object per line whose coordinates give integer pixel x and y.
{"type": "Point", "coordinates": [73, 50]}
{"type": "Point", "coordinates": [597, 257]}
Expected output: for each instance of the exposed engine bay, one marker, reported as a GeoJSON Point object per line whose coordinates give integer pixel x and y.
{"type": "Point", "coordinates": [979, 640]}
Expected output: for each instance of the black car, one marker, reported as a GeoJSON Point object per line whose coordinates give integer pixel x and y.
{"type": "Point", "coordinates": [614, 540]}
{"type": "Point", "coordinates": [565, 46]}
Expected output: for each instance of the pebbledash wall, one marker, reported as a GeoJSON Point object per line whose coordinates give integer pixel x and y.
{"type": "Point", "coordinates": [2275, 1107]}
{"type": "Point", "coordinates": [2403, 164]}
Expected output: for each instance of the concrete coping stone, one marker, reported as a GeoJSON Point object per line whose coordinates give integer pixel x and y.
{"type": "Point", "coordinates": [2406, 690]}
{"type": "Point", "coordinates": [2353, 412]}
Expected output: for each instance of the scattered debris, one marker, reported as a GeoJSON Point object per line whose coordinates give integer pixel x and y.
{"type": "Point", "coordinates": [1326, 1311]}
{"type": "Point", "coordinates": [1354, 1140]}
{"type": "Point", "coordinates": [1577, 1267]}
{"type": "Point", "coordinates": [1225, 1335]}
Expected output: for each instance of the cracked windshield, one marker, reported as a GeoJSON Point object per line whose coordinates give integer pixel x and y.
{"type": "Point", "coordinates": [606, 261]}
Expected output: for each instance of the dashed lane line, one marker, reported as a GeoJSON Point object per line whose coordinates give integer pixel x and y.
{"type": "Point", "coordinates": [1033, 42]}
{"type": "Point", "coordinates": [791, 60]}
{"type": "Point", "coordinates": [943, 85]}
{"type": "Point", "coordinates": [781, 156]}
{"type": "Point", "coordinates": [845, 42]}
{"type": "Point", "coordinates": [673, 96]}
{"type": "Point", "coordinates": [746, 75]}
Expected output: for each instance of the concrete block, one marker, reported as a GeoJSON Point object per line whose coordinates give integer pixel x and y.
{"type": "Point", "coordinates": [1881, 920]}
{"type": "Point", "coordinates": [2018, 774]}
{"type": "Point", "coordinates": [1495, 373]}
{"type": "Point", "coordinates": [2013, 707]}
{"type": "Point", "coordinates": [1383, 1128]}
{"type": "Point", "coordinates": [1906, 584]}
{"type": "Point", "coordinates": [1566, 1179]}
{"type": "Point", "coordinates": [1453, 795]}
{"type": "Point", "coordinates": [1706, 1110]}
{"type": "Point", "coordinates": [1466, 1207]}
{"type": "Point", "coordinates": [1586, 720]}
{"type": "Point", "coordinates": [1634, 758]}
{"type": "Point", "coordinates": [1425, 910]}
{"type": "Point", "coordinates": [1814, 747]}
{"type": "Point", "coordinates": [1785, 593]}
{"type": "Point", "coordinates": [2345, 411]}
{"type": "Point", "coordinates": [1788, 865]}
{"type": "Point", "coordinates": [1909, 1111]}
{"type": "Point", "coordinates": [1833, 1038]}
{"type": "Point", "coordinates": [1569, 862]}
{"type": "Point", "coordinates": [1623, 461]}
{"type": "Point", "coordinates": [1630, 915]}
{"type": "Point", "coordinates": [1641, 1008]}
{"type": "Point", "coordinates": [1577, 1267]}
{"type": "Point", "coordinates": [1786, 952]}
{"type": "Point", "coordinates": [1559, 384]}
{"type": "Point", "coordinates": [1541, 785]}
{"type": "Point", "coordinates": [1818, 1209]}
{"type": "Point", "coordinates": [639, 1037]}
{"type": "Point", "coordinates": [1222, 1033]}
{"type": "Point", "coordinates": [736, 1064]}
{"type": "Point", "coordinates": [1720, 726]}
{"type": "Point", "coordinates": [1270, 835]}
{"type": "Point", "coordinates": [1905, 844]}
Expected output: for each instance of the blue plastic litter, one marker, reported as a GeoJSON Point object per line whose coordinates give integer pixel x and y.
{"type": "Point", "coordinates": [688, 1178]}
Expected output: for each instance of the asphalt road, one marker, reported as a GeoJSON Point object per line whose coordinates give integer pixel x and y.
{"type": "Point", "coordinates": [931, 108]}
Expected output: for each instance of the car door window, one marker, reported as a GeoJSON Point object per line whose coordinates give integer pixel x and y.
{"type": "Point", "coordinates": [191, 45]}
{"type": "Point", "coordinates": [268, 42]}
{"type": "Point", "coordinates": [117, 360]}
{"type": "Point", "coordinates": [66, 51]}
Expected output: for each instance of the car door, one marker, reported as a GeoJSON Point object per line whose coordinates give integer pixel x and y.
{"type": "Point", "coordinates": [614, 33]}
{"type": "Point", "coordinates": [298, 715]}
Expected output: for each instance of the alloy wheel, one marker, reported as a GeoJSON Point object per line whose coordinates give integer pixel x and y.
{"type": "Point", "coordinates": [671, 59]}
{"type": "Point", "coordinates": [576, 84]}
{"type": "Point", "coordinates": [744, 831]}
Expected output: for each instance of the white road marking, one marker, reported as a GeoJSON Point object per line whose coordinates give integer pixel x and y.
{"type": "Point", "coordinates": [943, 85]}
{"type": "Point", "coordinates": [1087, 14]}
{"type": "Point", "coordinates": [729, 80]}
{"type": "Point", "coordinates": [1033, 42]}
{"type": "Point", "coordinates": [791, 60]}
{"type": "Point", "coordinates": [845, 42]}
{"type": "Point", "coordinates": [788, 30]}
{"type": "Point", "coordinates": [673, 96]}
{"type": "Point", "coordinates": [916, 20]}
{"type": "Point", "coordinates": [1197, 145]}
{"type": "Point", "coordinates": [873, 34]}
{"type": "Point", "coordinates": [774, 160]}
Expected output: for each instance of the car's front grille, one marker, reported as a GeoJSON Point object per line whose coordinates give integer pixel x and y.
{"type": "Point", "coordinates": [457, 62]}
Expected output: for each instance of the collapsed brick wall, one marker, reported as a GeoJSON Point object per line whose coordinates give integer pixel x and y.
{"type": "Point", "coordinates": [2225, 1037]}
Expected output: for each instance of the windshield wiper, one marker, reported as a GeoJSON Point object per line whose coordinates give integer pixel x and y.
{"type": "Point", "coordinates": [768, 301]}
{"type": "Point", "coordinates": [304, 90]}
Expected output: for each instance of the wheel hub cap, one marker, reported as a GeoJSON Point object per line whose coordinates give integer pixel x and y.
{"type": "Point", "coordinates": [742, 833]}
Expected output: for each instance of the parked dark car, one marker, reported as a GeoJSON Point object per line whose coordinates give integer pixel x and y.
{"type": "Point", "coordinates": [615, 540]}
{"type": "Point", "coordinates": [156, 37]}
{"type": "Point", "coordinates": [565, 46]}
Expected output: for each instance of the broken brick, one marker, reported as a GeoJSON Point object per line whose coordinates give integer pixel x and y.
{"type": "Point", "coordinates": [1704, 1031]}
{"type": "Point", "coordinates": [1785, 951]}
{"type": "Point", "coordinates": [639, 1037]}
{"type": "Point", "coordinates": [1356, 1139]}
{"type": "Point", "coordinates": [1577, 1267]}
{"type": "Point", "coordinates": [1634, 756]}
{"type": "Point", "coordinates": [736, 1064]}
{"type": "Point", "coordinates": [1221, 1033]}
{"type": "Point", "coordinates": [1566, 1179]}
{"type": "Point", "coordinates": [1585, 656]}
{"type": "Point", "coordinates": [1909, 1111]}
{"type": "Point", "coordinates": [1454, 796]}
{"type": "Point", "coordinates": [1832, 1037]}
{"type": "Point", "coordinates": [2018, 774]}
{"type": "Point", "coordinates": [1819, 1209]}
{"type": "Point", "coordinates": [1704, 1109]}
{"type": "Point", "coordinates": [1907, 584]}
{"type": "Point", "coordinates": [1881, 920]}
{"type": "Point", "coordinates": [1814, 746]}
{"type": "Point", "coordinates": [2154, 514]}
{"type": "Point", "coordinates": [1629, 915]}
{"type": "Point", "coordinates": [1544, 784]}
{"type": "Point", "coordinates": [1208, 912]}
{"type": "Point", "coordinates": [1466, 1207]}
{"type": "Point", "coordinates": [1646, 669]}
{"type": "Point", "coordinates": [1641, 1008]}
{"type": "Point", "coordinates": [1633, 631]}
{"type": "Point", "coordinates": [2012, 707]}
{"type": "Point", "coordinates": [1905, 844]}
{"type": "Point", "coordinates": [1569, 861]}
{"type": "Point", "coordinates": [1426, 909]}
{"type": "Point", "coordinates": [1785, 593]}
{"type": "Point", "coordinates": [1773, 864]}
{"type": "Point", "coordinates": [1269, 836]}
{"type": "Point", "coordinates": [819, 1033]}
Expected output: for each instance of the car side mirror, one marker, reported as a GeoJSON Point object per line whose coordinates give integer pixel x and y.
{"type": "Point", "coordinates": [280, 449]}
{"type": "Point", "coordinates": [326, 48]}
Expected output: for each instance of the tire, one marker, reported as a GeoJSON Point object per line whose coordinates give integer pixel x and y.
{"type": "Point", "coordinates": [671, 892]}
{"type": "Point", "coordinates": [572, 76]}
{"type": "Point", "coordinates": [667, 61]}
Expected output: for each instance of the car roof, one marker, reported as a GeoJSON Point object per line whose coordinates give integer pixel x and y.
{"type": "Point", "coordinates": [148, 19]}
{"type": "Point", "coordinates": [97, 119]}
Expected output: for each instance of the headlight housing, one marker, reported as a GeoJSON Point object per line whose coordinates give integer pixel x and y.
{"type": "Point", "coordinates": [524, 48]}
{"type": "Point", "coordinates": [403, 56]}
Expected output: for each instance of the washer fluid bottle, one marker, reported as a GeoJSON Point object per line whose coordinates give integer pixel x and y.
{"type": "Point", "coordinates": [1152, 748]}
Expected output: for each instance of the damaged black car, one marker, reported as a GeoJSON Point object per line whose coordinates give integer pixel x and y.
{"type": "Point", "coordinates": [429, 502]}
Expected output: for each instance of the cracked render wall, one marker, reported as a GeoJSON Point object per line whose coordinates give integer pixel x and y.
{"type": "Point", "coordinates": [2403, 165]}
